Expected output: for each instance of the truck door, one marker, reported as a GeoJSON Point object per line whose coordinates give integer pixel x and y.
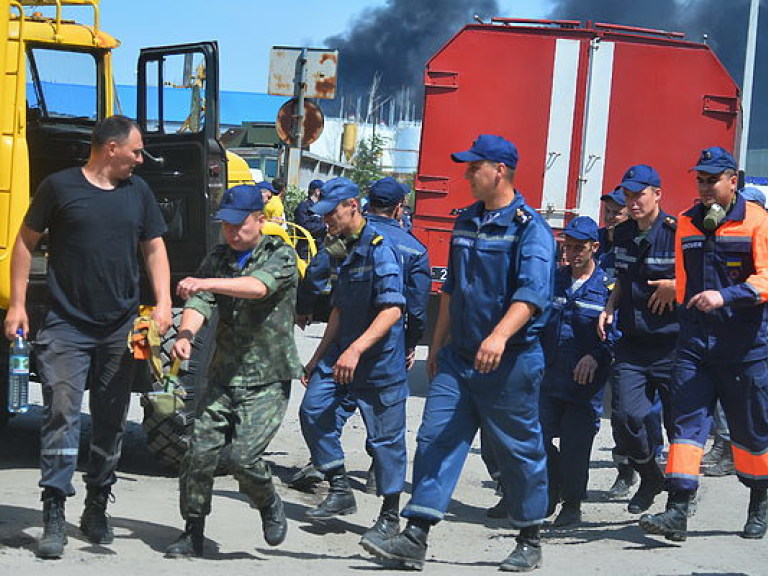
{"type": "Point", "coordinates": [185, 163]}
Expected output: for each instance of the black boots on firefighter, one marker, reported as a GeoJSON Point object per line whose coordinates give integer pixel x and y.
{"type": "Point", "coordinates": [190, 543]}
{"type": "Point", "coordinates": [625, 478]}
{"type": "Point", "coordinates": [273, 521]}
{"type": "Point", "coordinates": [94, 522]}
{"type": "Point", "coordinates": [408, 548]}
{"type": "Point", "coordinates": [756, 514]}
{"type": "Point", "coordinates": [651, 485]}
{"type": "Point", "coordinates": [340, 500]}
{"type": "Point", "coordinates": [719, 460]}
{"type": "Point", "coordinates": [673, 522]}
{"type": "Point", "coordinates": [54, 537]}
{"type": "Point", "coordinates": [388, 523]}
{"type": "Point", "coordinates": [527, 554]}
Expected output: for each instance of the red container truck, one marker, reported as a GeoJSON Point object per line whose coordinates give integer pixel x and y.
{"type": "Point", "coordinates": [582, 102]}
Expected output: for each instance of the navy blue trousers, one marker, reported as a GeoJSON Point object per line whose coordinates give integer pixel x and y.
{"type": "Point", "coordinates": [505, 403]}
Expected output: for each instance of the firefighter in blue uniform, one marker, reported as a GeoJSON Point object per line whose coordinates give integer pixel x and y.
{"type": "Point", "coordinates": [361, 357]}
{"type": "Point", "coordinates": [386, 204]}
{"type": "Point", "coordinates": [485, 361]}
{"type": "Point", "coordinates": [386, 197]}
{"type": "Point", "coordinates": [577, 363]}
{"type": "Point", "coordinates": [722, 352]}
{"type": "Point", "coordinates": [614, 208]}
{"type": "Point", "coordinates": [644, 300]}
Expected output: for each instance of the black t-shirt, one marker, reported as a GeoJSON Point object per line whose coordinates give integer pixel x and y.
{"type": "Point", "coordinates": [94, 235]}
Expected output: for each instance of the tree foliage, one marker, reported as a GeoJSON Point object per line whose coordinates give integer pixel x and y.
{"type": "Point", "coordinates": [367, 162]}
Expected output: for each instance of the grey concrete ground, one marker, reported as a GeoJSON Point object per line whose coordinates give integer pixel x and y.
{"type": "Point", "coordinates": [145, 516]}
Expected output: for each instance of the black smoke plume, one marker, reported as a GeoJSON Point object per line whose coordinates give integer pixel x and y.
{"type": "Point", "coordinates": [395, 41]}
{"type": "Point", "coordinates": [724, 22]}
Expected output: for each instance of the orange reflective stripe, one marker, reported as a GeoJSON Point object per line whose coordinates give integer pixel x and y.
{"type": "Point", "coordinates": [684, 459]}
{"type": "Point", "coordinates": [750, 464]}
{"type": "Point", "coordinates": [684, 228]}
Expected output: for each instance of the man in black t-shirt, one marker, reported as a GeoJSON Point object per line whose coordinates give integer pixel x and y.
{"type": "Point", "coordinates": [97, 218]}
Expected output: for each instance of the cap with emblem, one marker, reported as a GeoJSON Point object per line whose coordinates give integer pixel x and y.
{"type": "Point", "coordinates": [387, 192]}
{"type": "Point", "coordinates": [715, 160]}
{"type": "Point", "coordinates": [238, 202]}
{"type": "Point", "coordinates": [491, 148]}
{"type": "Point", "coordinates": [639, 177]}
{"type": "Point", "coordinates": [582, 228]}
{"type": "Point", "coordinates": [616, 195]}
{"type": "Point", "coordinates": [752, 194]}
{"type": "Point", "coordinates": [333, 193]}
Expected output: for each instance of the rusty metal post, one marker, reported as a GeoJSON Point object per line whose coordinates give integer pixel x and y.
{"type": "Point", "coordinates": [293, 169]}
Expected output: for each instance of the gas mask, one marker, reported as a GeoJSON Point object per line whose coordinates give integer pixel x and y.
{"type": "Point", "coordinates": [714, 216]}
{"type": "Point", "coordinates": [338, 246]}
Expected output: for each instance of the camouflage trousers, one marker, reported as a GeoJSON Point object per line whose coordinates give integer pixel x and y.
{"type": "Point", "coordinates": [251, 416]}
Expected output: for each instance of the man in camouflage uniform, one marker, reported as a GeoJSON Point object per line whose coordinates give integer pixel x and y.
{"type": "Point", "coordinates": [251, 280]}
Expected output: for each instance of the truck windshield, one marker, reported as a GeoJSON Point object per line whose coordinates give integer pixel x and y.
{"type": "Point", "coordinates": [62, 84]}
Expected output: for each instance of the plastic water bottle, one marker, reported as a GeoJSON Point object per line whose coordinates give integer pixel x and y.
{"type": "Point", "coordinates": [18, 375]}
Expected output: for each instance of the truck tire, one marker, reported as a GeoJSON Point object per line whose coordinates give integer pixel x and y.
{"type": "Point", "coordinates": [168, 438]}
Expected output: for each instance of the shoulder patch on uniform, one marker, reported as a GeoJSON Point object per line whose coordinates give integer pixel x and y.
{"type": "Point", "coordinates": [670, 222]}
{"type": "Point", "coordinates": [377, 240]}
{"type": "Point", "coordinates": [522, 216]}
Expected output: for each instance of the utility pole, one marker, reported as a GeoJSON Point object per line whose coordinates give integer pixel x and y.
{"type": "Point", "coordinates": [749, 72]}
{"type": "Point", "coordinates": [293, 169]}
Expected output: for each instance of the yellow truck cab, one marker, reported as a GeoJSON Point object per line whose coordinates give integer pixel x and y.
{"type": "Point", "coordinates": [57, 82]}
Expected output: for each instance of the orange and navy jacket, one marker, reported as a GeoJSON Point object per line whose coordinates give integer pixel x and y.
{"type": "Point", "coordinates": [732, 259]}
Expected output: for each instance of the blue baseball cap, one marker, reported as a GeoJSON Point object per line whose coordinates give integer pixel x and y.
{"type": "Point", "coordinates": [752, 194]}
{"type": "Point", "coordinates": [582, 228]}
{"type": "Point", "coordinates": [266, 186]}
{"type": "Point", "coordinates": [715, 160]}
{"type": "Point", "coordinates": [491, 148]}
{"type": "Point", "coordinates": [387, 192]}
{"type": "Point", "coordinates": [639, 177]}
{"type": "Point", "coordinates": [335, 191]}
{"type": "Point", "coordinates": [315, 184]}
{"type": "Point", "coordinates": [238, 202]}
{"type": "Point", "coordinates": [616, 195]}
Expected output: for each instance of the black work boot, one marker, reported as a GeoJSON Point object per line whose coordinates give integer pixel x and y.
{"type": "Point", "coordinates": [756, 514]}
{"type": "Point", "coordinates": [673, 522]}
{"type": "Point", "coordinates": [388, 523]}
{"type": "Point", "coordinates": [499, 510]}
{"type": "Point", "coordinates": [651, 485]}
{"type": "Point", "coordinates": [723, 465]}
{"type": "Point", "coordinates": [371, 485]}
{"type": "Point", "coordinates": [190, 543]}
{"type": "Point", "coordinates": [527, 554]}
{"type": "Point", "coordinates": [340, 500]}
{"type": "Point", "coordinates": [273, 521]}
{"type": "Point", "coordinates": [94, 522]}
{"type": "Point", "coordinates": [54, 537]}
{"type": "Point", "coordinates": [306, 479]}
{"type": "Point", "coordinates": [719, 447]}
{"type": "Point", "coordinates": [570, 515]}
{"type": "Point", "coordinates": [625, 478]}
{"type": "Point", "coordinates": [409, 547]}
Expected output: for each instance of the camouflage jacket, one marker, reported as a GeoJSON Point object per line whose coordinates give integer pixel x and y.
{"type": "Point", "coordinates": [254, 337]}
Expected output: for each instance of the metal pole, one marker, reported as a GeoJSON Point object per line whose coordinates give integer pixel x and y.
{"type": "Point", "coordinates": [749, 71]}
{"type": "Point", "coordinates": [294, 151]}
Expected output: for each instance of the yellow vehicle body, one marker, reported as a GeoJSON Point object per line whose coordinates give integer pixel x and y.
{"type": "Point", "coordinates": [55, 33]}
{"type": "Point", "coordinates": [17, 33]}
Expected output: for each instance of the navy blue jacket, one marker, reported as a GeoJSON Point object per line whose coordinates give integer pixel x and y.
{"type": "Point", "coordinates": [416, 275]}
{"type": "Point", "coordinates": [571, 333]}
{"type": "Point", "coordinates": [313, 223]}
{"type": "Point", "coordinates": [651, 258]}
{"type": "Point", "coordinates": [495, 259]}
{"type": "Point", "coordinates": [370, 278]}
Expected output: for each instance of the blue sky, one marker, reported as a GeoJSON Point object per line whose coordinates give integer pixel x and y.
{"type": "Point", "coordinates": [245, 29]}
